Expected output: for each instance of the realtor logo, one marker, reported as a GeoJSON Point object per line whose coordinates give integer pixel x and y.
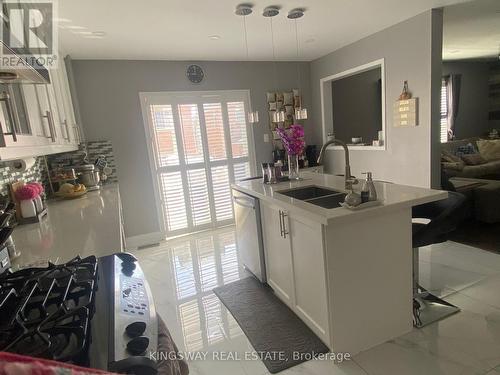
{"type": "Point", "coordinates": [28, 31]}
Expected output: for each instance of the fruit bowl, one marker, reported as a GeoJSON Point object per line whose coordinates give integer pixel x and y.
{"type": "Point", "coordinates": [75, 192]}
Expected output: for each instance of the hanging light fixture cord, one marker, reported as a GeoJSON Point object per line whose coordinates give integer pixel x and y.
{"type": "Point", "coordinates": [274, 55]}
{"type": "Point", "coordinates": [246, 37]}
{"type": "Point", "coordinates": [297, 53]}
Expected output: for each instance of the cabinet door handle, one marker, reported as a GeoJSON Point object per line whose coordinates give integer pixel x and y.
{"type": "Point", "coordinates": [281, 223]}
{"type": "Point", "coordinates": [283, 215]}
{"type": "Point", "coordinates": [50, 120]}
{"type": "Point", "coordinates": [5, 97]}
{"type": "Point", "coordinates": [77, 136]}
{"type": "Point", "coordinates": [65, 123]}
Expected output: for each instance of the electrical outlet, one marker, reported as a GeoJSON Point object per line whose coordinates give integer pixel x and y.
{"type": "Point", "coordinates": [266, 138]}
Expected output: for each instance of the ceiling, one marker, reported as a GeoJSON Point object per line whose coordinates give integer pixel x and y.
{"type": "Point", "coordinates": [181, 30]}
{"type": "Point", "coordinates": [472, 30]}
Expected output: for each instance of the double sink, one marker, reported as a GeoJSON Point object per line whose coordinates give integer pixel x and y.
{"type": "Point", "coordinates": [317, 195]}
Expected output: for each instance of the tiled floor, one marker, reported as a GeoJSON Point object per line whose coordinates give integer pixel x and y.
{"type": "Point", "coordinates": [183, 272]}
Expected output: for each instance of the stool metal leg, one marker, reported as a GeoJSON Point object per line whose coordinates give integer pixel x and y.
{"type": "Point", "coordinates": [427, 308]}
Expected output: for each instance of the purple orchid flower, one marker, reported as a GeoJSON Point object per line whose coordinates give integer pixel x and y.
{"type": "Point", "coordinates": [293, 139]}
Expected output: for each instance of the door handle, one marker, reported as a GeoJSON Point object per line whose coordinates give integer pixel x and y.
{"type": "Point", "coordinates": [50, 120]}
{"type": "Point", "coordinates": [53, 126]}
{"type": "Point", "coordinates": [65, 123]}
{"type": "Point", "coordinates": [281, 223]}
{"type": "Point", "coordinates": [10, 114]}
{"type": "Point", "coordinates": [284, 231]}
{"type": "Point", "coordinates": [77, 134]}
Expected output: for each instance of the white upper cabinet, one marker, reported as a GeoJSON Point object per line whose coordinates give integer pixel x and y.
{"type": "Point", "coordinates": [38, 119]}
{"type": "Point", "coordinates": [33, 109]}
{"type": "Point", "coordinates": [70, 118]}
{"type": "Point", "coordinates": [56, 109]}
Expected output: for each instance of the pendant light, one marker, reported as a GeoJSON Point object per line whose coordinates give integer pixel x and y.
{"type": "Point", "coordinates": [295, 14]}
{"type": "Point", "coordinates": [244, 10]}
{"type": "Point", "coordinates": [270, 12]}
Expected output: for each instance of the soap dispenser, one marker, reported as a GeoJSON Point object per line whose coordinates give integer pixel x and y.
{"type": "Point", "coordinates": [368, 191]}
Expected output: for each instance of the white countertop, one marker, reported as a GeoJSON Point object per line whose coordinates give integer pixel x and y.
{"type": "Point", "coordinates": [89, 225]}
{"type": "Point", "coordinates": [393, 196]}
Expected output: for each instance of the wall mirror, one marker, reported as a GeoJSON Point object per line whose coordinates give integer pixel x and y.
{"type": "Point", "coordinates": [353, 106]}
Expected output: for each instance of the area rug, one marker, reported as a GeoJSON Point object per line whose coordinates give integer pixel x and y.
{"type": "Point", "coordinates": [280, 339]}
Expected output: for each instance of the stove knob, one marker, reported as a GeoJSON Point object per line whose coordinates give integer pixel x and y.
{"type": "Point", "coordinates": [138, 345]}
{"type": "Point", "coordinates": [135, 329]}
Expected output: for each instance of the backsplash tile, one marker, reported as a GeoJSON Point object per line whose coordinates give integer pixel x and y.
{"type": "Point", "coordinates": [104, 148]}
{"type": "Point", "coordinates": [39, 172]}
{"type": "Point", "coordinates": [93, 149]}
{"type": "Point", "coordinates": [36, 173]}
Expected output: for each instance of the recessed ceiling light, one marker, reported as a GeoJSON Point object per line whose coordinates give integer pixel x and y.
{"type": "Point", "coordinates": [214, 37]}
{"type": "Point", "coordinates": [99, 33]}
{"type": "Point", "coordinates": [310, 40]}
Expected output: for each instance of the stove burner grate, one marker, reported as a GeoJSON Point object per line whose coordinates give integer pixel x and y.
{"type": "Point", "coordinates": [46, 312]}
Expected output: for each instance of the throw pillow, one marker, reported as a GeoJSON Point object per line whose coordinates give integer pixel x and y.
{"type": "Point", "coordinates": [489, 149]}
{"type": "Point", "coordinates": [455, 166]}
{"type": "Point", "coordinates": [467, 149]}
{"type": "Point", "coordinates": [473, 159]}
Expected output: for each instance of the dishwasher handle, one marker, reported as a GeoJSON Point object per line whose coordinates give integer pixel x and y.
{"type": "Point", "coordinates": [245, 202]}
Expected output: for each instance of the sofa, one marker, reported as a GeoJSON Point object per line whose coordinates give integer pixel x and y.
{"type": "Point", "coordinates": [471, 158]}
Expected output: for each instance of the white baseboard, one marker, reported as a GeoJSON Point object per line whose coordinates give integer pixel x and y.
{"type": "Point", "coordinates": [133, 242]}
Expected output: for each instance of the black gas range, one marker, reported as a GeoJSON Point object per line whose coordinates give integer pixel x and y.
{"type": "Point", "coordinates": [93, 312]}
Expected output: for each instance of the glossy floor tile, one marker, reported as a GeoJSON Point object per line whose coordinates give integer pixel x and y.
{"type": "Point", "coordinates": [183, 272]}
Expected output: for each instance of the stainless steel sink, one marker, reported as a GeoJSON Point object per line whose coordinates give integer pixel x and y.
{"type": "Point", "coordinates": [317, 195]}
{"type": "Point", "coordinates": [330, 201]}
{"type": "Point", "coordinates": [308, 192]}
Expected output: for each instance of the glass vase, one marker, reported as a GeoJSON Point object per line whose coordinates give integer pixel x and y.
{"type": "Point", "coordinates": [293, 167]}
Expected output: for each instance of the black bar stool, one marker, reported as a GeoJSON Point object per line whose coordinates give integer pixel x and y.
{"type": "Point", "coordinates": [444, 216]}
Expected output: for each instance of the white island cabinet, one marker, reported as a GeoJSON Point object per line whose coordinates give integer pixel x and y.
{"type": "Point", "coordinates": [346, 274]}
{"type": "Point", "coordinates": [295, 264]}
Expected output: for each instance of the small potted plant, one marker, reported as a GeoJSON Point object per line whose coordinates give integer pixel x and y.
{"type": "Point", "coordinates": [294, 144]}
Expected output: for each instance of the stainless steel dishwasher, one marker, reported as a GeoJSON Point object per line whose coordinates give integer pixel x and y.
{"type": "Point", "coordinates": [249, 233]}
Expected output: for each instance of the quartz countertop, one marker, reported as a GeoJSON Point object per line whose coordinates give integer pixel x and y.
{"type": "Point", "coordinates": [88, 225]}
{"type": "Point", "coordinates": [393, 196]}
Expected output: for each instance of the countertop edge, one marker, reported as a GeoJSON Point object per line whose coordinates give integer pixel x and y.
{"type": "Point", "coordinates": [347, 215]}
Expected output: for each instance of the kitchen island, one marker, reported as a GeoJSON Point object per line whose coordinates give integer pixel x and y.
{"type": "Point", "coordinates": [88, 225]}
{"type": "Point", "coordinates": [347, 274]}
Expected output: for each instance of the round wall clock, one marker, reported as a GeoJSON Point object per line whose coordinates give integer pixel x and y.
{"type": "Point", "coordinates": [195, 73]}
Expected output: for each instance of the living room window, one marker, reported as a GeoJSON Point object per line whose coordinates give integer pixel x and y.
{"type": "Point", "coordinates": [444, 111]}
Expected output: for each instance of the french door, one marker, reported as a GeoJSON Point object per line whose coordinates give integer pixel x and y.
{"type": "Point", "coordinates": [199, 142]}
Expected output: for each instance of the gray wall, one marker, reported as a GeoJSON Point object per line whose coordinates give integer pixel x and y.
{"type": "Point", "coordinates": [108, 95]}
{"type": "Point", "coordinates": [412, 51]}
{"type": "Point", "coordinates": [472, 117]}
{"type": "Point", "coordinates": [347, 96]}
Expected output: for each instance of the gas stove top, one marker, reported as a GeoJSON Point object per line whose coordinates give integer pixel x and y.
{"type": "Point", "coordinates": [89, 312]}
{"type": "Point", "coordinates": [45, 312]}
